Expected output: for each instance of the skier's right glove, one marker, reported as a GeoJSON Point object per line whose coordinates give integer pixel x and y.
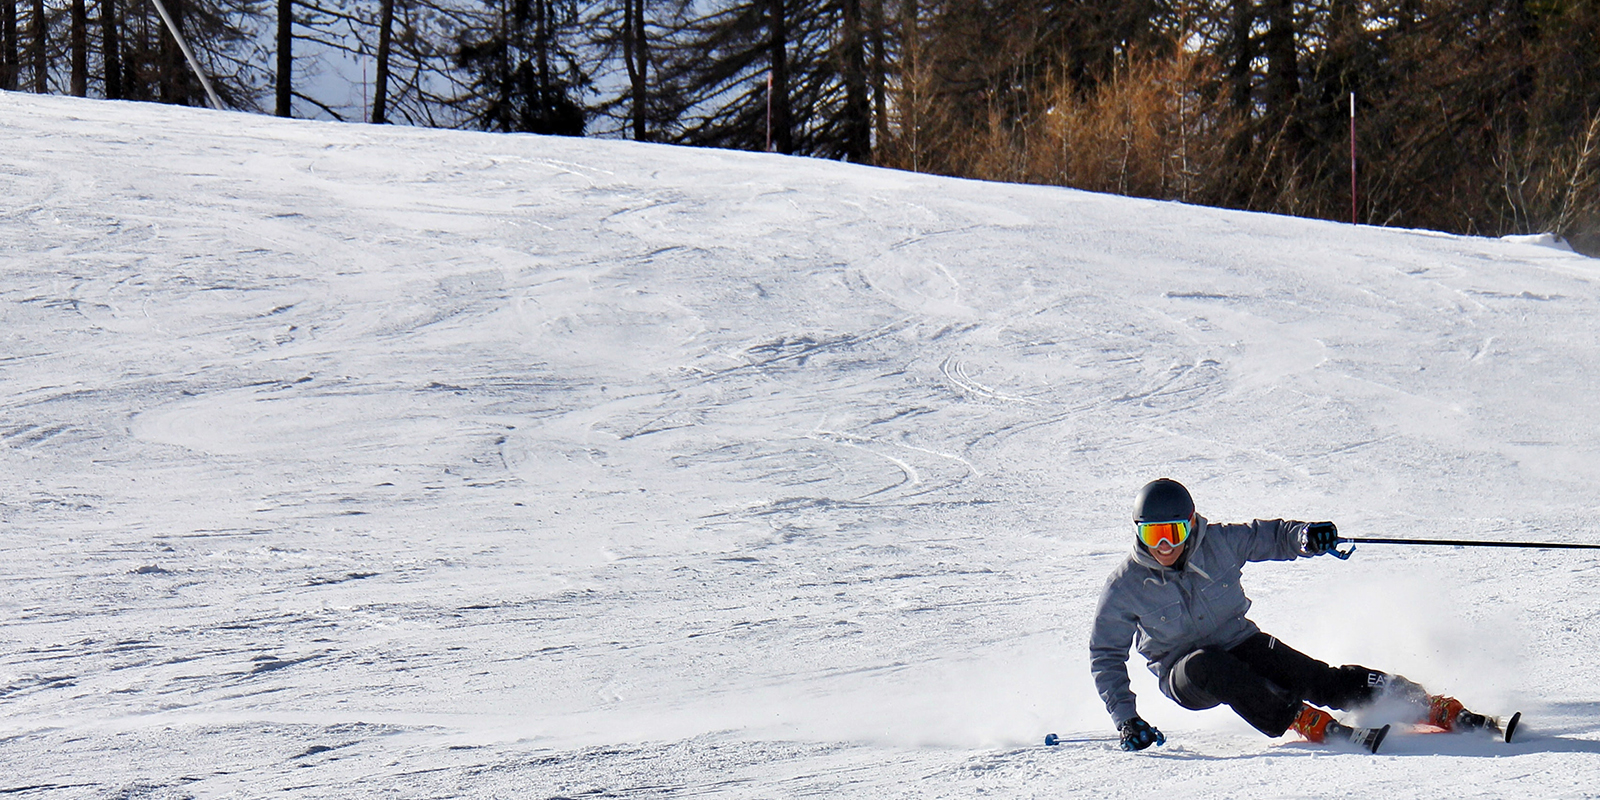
{"type": "Point", "coordinates": [1319, 538]}
{"type": "Point", "coordinates": [1138, 734]}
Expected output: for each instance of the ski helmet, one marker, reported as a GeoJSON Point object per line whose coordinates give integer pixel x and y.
{"type": "Point", "coordinates": [1162, 500]}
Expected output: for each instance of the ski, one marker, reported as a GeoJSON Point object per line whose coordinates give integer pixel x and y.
{"type": "Point", "coordinates": [1511, 726]}
{"type": "Point", "coordinates": [1506, 729]}
{"type": "Point", "coordinates": [1502, 728]}
{"type": "Point", "coordinates": [1368, 739]}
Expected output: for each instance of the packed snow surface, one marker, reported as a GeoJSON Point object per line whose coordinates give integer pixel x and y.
{"type": "Point", "coordinates": [343, 460]}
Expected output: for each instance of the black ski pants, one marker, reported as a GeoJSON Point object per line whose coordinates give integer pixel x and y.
{"type": "Point", "coordinates": [1265, 680]}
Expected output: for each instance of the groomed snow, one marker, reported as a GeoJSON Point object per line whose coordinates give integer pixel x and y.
{"type": "Point", "coordinates": [338, 460]}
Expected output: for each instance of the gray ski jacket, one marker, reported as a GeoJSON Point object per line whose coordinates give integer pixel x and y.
{"type": "Point", "coordinates": [1169, 612]}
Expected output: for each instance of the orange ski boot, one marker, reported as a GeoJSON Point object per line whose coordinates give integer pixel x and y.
{"type": "Point", "coordinates": [1312, 723]}
{"type": "Point", "coordinates": [1444, 712]}
{"type": "Point", "coordinates": [1448, 713]}
{"type": "Point", "coordinates": [1319, 726]}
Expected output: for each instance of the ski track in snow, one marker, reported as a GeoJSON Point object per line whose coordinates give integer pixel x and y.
{"type": "Point", "coordinates": [343, 461]}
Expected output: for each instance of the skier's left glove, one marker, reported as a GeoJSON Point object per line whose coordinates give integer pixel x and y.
{"type": "Point", "coordinates": [1319, 538]}
{"type": "Point", "coordinates": [1138, 734]}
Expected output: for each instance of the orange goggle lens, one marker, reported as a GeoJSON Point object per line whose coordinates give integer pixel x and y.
{"type": "Point", "coordinates": [1154, 533]}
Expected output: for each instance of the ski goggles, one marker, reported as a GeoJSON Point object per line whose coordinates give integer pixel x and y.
{"type": "Point", "coordinates": [1173, 532]}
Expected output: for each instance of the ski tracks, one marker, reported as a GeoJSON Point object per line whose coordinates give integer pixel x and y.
{"type": "Point", "coordinates": [937, 471]}
{"type": "Point", "coordinates": [954, 369]}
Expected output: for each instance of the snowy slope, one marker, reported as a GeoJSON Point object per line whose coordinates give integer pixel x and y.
{"type": "Point", "coordinates": [339, 460]}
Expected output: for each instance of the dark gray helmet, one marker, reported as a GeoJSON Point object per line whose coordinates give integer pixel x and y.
{"type": "Point", "coordinates": [1163, 500]}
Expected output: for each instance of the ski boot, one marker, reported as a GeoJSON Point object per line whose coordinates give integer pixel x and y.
{"type": "Point", "coordinates": [1313, 723]}
{"type": "Point", "coordinates": [1319, 726]}
{"type": "Point", "coordinates": [1448, 714]}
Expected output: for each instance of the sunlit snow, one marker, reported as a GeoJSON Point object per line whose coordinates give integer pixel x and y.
{"type": "Point", "coordinates": [340, 460]}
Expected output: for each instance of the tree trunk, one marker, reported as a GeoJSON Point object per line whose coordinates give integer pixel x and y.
{"type": "Point", "coordinates": [543, 41]}
{"type": "Point", "coordinates": [41, 36]}
{"type": "Point", "coordinates": [175, 87]}
{"type": "Point", "coordinates": [1524, 29]}
{"type": "Point", "coordinates": [380, 85]}
{"type": "Point", "coordinates": [80, 49]}
{"type": "Point", "coordinates": [1283, 75]}
{"type": "Point", "coordinates": [781, 124]}
{"type": "Point", "coordinates": [857, 123]}
{"type": "Point", "coordinates": [8, 45]}
{"type": "Point", "coordinates": [635, 51]}
{"type": "Point", "coordinates": [111, 45]}
{"type": "Point", "coordinates": [285, 77]}
{"type": "Point", "coordinates": [911, 99]}
{"type": "Point", "coordinates": [880, 80]}
{"type": "Point", "coordinates": [1242, 55]}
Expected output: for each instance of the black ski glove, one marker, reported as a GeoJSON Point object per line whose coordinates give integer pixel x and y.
{"type": "Point", "coordinates": [1137, 734]}
{"type": "Point", "coordinates": [1319, 538]}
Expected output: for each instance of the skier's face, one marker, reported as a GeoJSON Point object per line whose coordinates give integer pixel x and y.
{"type": "Point", "coordinates": [1166, 555]}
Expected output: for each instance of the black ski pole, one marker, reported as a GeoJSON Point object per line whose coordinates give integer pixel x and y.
{"type": "Point", "coordinates": [1471, 543]}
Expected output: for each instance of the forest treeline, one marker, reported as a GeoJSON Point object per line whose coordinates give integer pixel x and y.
{"type": "Point", "coordinates": [1472, 116]}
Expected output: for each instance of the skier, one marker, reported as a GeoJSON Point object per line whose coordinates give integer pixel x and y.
{"type": "Point", "coordinates": [1178, 598]}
